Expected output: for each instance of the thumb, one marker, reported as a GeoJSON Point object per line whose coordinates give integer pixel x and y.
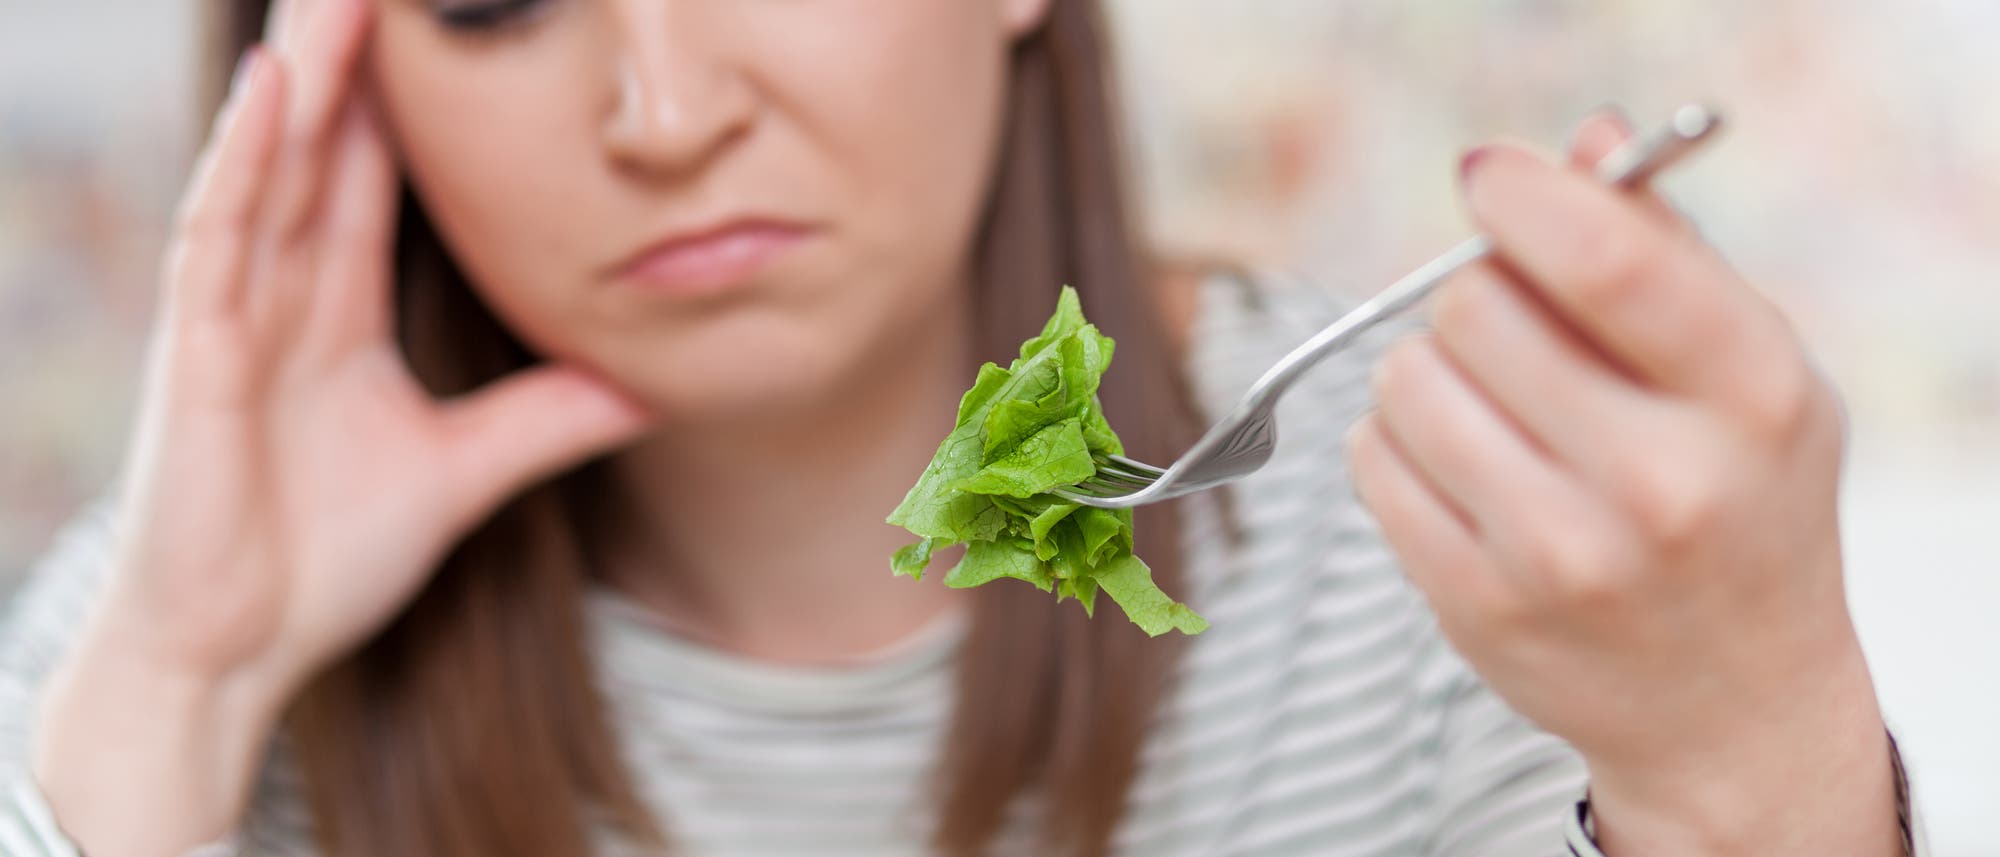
{"type": "Point", "coordinates": [1600, 135]}
{"type": "Point", "coordinates": [527, 427]}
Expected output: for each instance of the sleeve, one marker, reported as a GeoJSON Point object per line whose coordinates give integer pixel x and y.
{"type": "Point", "coordinates": [1499, 786]}
{"type": "Point", "coordinates": [37, 629]}
{"type": "Point", "coordinates": [27, 828]}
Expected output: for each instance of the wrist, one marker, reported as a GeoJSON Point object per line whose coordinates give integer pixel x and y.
{"type": "Point", "coordinates": [1810, 777]}
{"type": "Point", "coordinates": [142, 755]}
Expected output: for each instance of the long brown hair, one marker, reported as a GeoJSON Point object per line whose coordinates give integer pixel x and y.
{"type": "Point", "coordinates": [473, 726]}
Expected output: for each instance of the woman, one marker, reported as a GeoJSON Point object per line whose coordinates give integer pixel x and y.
{"type": "Point", "coordinates": [538, 510]}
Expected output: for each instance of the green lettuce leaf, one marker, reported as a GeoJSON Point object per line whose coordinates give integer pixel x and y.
{"type": "Point", "coordinates": [911, 559]}
{"type": "Point", "coordinates": [1022, 432]}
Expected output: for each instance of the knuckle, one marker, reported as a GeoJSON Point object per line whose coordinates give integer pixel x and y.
{"type": "Point", "coordinates": [1787, 403]}
{"type": "Point", "coordinates": [1600, 591]}
{"type": "Point", "coordinates": [1579, 566]}
{"type": "Point", "coordinates": [1560, 552]}
{"type": "Point", "coordinates": [1402, 365]}
{"type": "Point", "coordinates": [1673, 501]}
{"type": "Point", "coordinates": [1507, 612]}
{"type": "Point", "coordinates": [1395, 383]}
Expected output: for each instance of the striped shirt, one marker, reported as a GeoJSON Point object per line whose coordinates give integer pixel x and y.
{"type": "Point", "coordinates": [1323, 714]}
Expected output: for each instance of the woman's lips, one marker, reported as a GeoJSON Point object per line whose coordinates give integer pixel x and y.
{"type": "Point", "coordinates": [713, 260]}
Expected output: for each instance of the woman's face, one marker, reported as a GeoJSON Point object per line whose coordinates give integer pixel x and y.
{"type": "Point", "coordinates": [719, 204]}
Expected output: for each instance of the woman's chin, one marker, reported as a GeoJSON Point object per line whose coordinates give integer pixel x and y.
{"type": "Point", "coordinates": [722, 395]}
{"type": "Point", "coordinates": [746, 365]}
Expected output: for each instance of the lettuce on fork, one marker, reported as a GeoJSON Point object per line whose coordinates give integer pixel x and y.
{"type": "Point", "coordinates": [1022, 432]}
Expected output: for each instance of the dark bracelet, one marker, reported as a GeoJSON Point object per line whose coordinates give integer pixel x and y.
{"type": "Point", "coordinates": [1904, 824]}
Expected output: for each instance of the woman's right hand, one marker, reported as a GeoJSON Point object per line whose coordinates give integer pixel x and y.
{"type": "Point", "coordinates": [290, 485]}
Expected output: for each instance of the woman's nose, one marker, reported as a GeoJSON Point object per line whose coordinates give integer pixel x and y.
{"type": "Point", "coordinates": [680, 100]}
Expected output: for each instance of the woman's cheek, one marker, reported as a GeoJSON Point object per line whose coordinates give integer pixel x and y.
{"type": "Point", "coordinates": [905, 104]}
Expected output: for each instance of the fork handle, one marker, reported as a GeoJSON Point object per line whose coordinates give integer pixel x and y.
{"type": "Point", "coordinates": [1629, 166]}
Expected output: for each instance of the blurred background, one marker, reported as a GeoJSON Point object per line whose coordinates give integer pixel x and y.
{"type": "Point", "coordinates": [1859, 185]}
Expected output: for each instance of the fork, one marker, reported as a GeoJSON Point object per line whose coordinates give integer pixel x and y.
{"type": "Point", "coordinates": [1243, 441]}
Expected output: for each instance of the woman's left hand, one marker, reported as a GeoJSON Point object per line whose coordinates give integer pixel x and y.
{"type": "Point", "coordinates": [1613, 471]}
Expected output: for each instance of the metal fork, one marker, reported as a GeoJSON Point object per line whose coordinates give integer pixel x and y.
{"type": "Point", "coordinates": [1243, 441]}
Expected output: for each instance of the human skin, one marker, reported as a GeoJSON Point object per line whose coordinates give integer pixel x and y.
{"type": "Point", "coordinates": [289, 486]}
{"type": "Point", "coordinates": [1613, 470]}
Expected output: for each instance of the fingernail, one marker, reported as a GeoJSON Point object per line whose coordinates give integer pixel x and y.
{"type": "Point", "coordinates": [244, 65]}
{"type": "Point", "coordinates": [1615, 112]}
{"type": "Point", "coordinates": [1471, 161]}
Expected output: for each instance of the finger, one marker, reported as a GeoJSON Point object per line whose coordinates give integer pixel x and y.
{"type": "Point", "coordinates": [1568, 400]}
{"type": "Point", "coordinates": [1602, 133]}
{"type": "Point", "coordinates": [323, 40]}
{"type": "Point", "coordinates": [1457, 442]}
{"type": "Point", "coordinates": [1474, 453]}
{"type": "Point", "coordinates": [1637, 452]}
{"type": "Point", "coordinates": [215, 222]}
{"type": "Point", "coordinates": [281, 20]}
{"type": "Point", "coordinates": [352, 298]}
{"type": "Point", "coordinates": [529, 427]}
{"type": "Point", "coordinates": [1547, 533]}
{"type": "Point", "coordinates": [1439, 553]}
{"type": "Point", "coordinates": [1656, 300]}
{"type": "Point", "coordinates": [1599, 135]}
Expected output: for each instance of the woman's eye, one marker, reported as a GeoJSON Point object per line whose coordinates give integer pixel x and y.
{"type": "Point", "coordinates": [474, 16]}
